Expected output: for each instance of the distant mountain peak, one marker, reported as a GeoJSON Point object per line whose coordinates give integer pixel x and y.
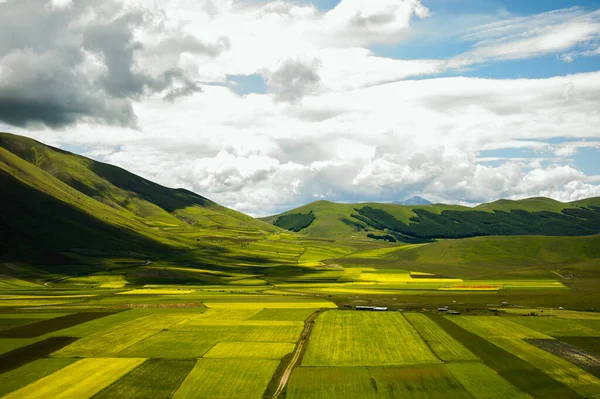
{"type": "Point", "coordinates": [416, 200]}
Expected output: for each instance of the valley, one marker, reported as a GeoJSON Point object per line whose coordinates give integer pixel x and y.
{"type": "Point", "coordinates": [114, 286]}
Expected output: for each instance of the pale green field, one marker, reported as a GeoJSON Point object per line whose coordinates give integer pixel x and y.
{"type": "Point", "coordinates": [157, 291]}
{"type": "Point", "coordinates": [122, 336]}
{"type": "Point", "coordinates": [172, 345]}
{"type": "Point", "coordinates": [237, 333]}
{"type": "Point", "coordinates": [442, 344]}
{"type": "Point", "coordinates": [226, 314]}
{"type": "Point", "coordinates": [425, 381]}
{"type": "Point", "coordinates": [227, 378]}
{"type": "Point", "coordinates": [498, 327]}
{"type": "Point", "coordinates": [269, 305]}
{"type": "Point", "coordinates": [30, 373]}
{"type": "Point", "coordinates": [344, 338]}
{"type": "Point", "coordinates": [250, 350]}
{"type": "Point", "coordinates": [557, 327]}
{"type": "Point", "coordinates": [283, 314]}
{"type": "Point", "coordinates": [81, 379]}
{"type": "Point", "coordinates": [509, 336]}
{"type": "Point", "coordinates": [483, 382]}
{"type": "Point", "coordinates": [103, 323]}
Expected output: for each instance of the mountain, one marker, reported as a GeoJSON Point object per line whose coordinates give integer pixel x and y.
{"type": "Point", "coordinates": [58, 207]}
{"type": "Point", "coordinates": [413, 201]}
{"type": "Point", "coordinates": [393, 222]}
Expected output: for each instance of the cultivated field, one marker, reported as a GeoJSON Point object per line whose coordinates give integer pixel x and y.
{"type": "Point", "coordinates": [223, 343]}
{"type": "Point", "coordinates": [365, 339]}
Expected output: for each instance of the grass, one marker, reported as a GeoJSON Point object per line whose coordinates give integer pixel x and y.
{"type": "Point", "coordinates": [122, 336]}
{"type": "Point", "coordinates": [157, 291]}
{"type": "Point", "coordinates": [556, 327]}
{"type": "Point", "coordinates": [483, 382]}
{"type": "Point", "coordinates": [10, 344]}
{"type": "Point", "coordinates": [227, 314]}
{"type": "Point", "coordinates": [81, 379]}
{"type": "Point", "coordinates": [499, 332]}
{"type": "Point", "coordinates": [526, 217]}
{"type": "Point", "coordinates": [271, 305]}
{"type": "Point", "coordinates": [28, 374]}
{"type": "Point", "coordinates": [250, 350]}
{"type": "Point", "coordinates": [283, 314]}
{"type": "Point", "coordinates": [498, 327]}
{"type": "Point", "coordinates": [12, 283]}
{"type": "Point", "coordinates": [172, 345]}
{"type": "Point", "coordinates": [51, 325]}
{"type": "Point", "coordinates": [98, 325]}
{"type": "Point", "coordinates": [426, 381]}
{"type": "Point", "coordinates": [524, 376]}
{"type": "Point", "coordinates": [443, 345]}
{"type": "Point", "coordinates": [363, 339]}
{"type": "Point", "coordinates": [28, 353]}
{"type": "Point", "coordinates": [155, 378]}
{"type": "Point", "coordinates": [227, 378]}
{"type": "Point", "coordinates": [236, 333]}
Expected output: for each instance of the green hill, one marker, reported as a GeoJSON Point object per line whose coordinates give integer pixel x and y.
{"type": "Point", "coordinates": [533, 216]}
{"type": "Point", "coordinates": [517, 257]}
{"type": "Point", "coordinates": [57, 205]}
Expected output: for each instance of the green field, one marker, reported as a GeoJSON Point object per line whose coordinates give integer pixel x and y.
{"type": "Point", "coordinates": [509, 336]}
{"type": "Point", "coordinates": [227, 378]}
{"type": "Point", "coordinates": [365, 339]}
{"type": "Point", "coordinates": [442, 344]}
{"type": "Point", "coordinates": [155, 378]}
{"type": "Point", "coordinates": [374, 382]}
{"type": "Point", "coordinates": [81, 379]}
{"type": "Point", "coordinates": [249, 350]}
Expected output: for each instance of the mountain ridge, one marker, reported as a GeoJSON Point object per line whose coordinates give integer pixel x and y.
{"type": "Point", "coordinates": [59, 201]}
{"type": "Point", "coordinates": [532, 216]}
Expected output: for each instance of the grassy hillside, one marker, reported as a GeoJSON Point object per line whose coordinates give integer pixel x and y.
{"type": "Point", "coordinates": [58, 205]}
{"type": "Point", "coordinates": [123, 190]}
{"type": "Point", "coordinates": [44, 217]}
{"type": "Point", "coordinates": [533, 216]}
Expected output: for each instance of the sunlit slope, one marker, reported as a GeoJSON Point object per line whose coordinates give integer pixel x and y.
{"type": "Point", "coordinates": [155, 204]}
{"type": "Point", "coordinates": [536, 204]}
{"type": "Point", "coordinates": [498, 251]}
{"type": "Point", "coordinates": [533, 216]}
{"type": "Point", "coordinates": [490, 257]}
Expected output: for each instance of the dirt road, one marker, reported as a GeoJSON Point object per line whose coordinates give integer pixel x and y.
{"type": "Point", "coordinates": [308, 325]}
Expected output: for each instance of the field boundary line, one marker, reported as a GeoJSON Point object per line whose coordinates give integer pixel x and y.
{"type": "Point", "coordinates": [558, 274]}
{"type": "Point", "coordinates": [423, 339]}
{"type": "Point", "coordinates": [308, 325]}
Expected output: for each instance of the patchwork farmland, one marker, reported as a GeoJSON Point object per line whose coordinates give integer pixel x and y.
{"type": "Point", "coordinates": [281, 343]}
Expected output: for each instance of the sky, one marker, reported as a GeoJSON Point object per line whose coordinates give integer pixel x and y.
{"type": "Point", "coordinates": [263, 106]}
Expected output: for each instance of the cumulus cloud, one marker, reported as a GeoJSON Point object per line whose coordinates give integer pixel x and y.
{"type": "Point", "coordinates": [293, 79]}
{"type": "Point", "coordinates": [63, 62]}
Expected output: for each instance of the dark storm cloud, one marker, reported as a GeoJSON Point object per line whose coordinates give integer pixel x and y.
{"type": "Point", "coordinates": [77, 63]}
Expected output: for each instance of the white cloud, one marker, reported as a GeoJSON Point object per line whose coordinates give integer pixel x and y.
{"type": "Point", "coordinates": [60, 3]}
{"type": "Point", "coordinates": [525, 37]}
